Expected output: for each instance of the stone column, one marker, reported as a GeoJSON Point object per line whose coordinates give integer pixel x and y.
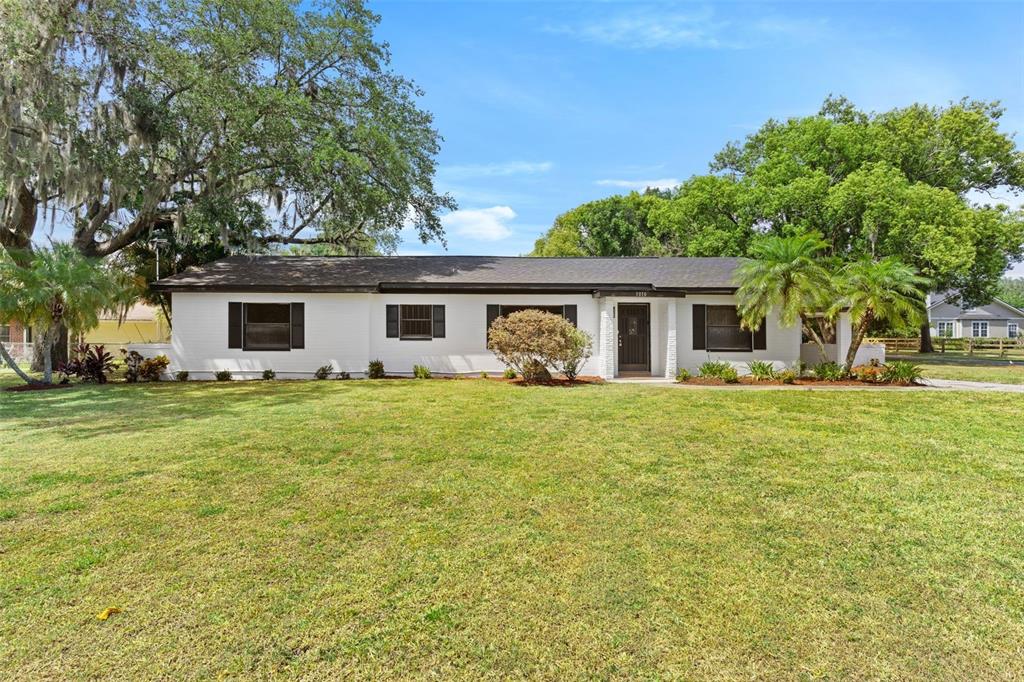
{"type": "Point", "coordinates": [608, 341]}
{"type": "Point", "coordinates": [671, 345]}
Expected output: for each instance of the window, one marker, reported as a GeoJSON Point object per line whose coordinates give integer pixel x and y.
{"type": "Point", "coordinates": [494, 311]}
{"type": "Point", "coordinates": [267, 326]}
{"type": "Point", "coordinates": [5, 333]}
{"type": "Point", "coordinates": [723, 331]}
{"type": "Point", "coordinates": [1011, 330]}
{"type": "Point", "coordinates": [979, 330]}
{"type": "Point", "coordinates": [945, 329]}
{"type": "Point", "coordinates": [415, 322]}
{"type": "Point", "coordinates": [28, 334]}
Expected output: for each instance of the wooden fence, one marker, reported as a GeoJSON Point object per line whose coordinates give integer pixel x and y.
{"type": "Point", "coordinates": [941, 344]}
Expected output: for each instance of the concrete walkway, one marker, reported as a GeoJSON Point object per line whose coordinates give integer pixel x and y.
{"type": "Point", "coordinates": [927, 385]}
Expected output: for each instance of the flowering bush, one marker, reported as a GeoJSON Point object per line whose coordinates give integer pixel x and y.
{"type": "Point", "coordinates": [533, 342]}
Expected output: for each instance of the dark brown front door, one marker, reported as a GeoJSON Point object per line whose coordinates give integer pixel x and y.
{"type": "Point", "coordinates": [634, 337]}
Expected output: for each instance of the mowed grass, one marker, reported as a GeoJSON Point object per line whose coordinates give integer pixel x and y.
{"type": "Point", "coordinates": [473, 529]}
{"type": "Point", "coordinates": [968, 368]}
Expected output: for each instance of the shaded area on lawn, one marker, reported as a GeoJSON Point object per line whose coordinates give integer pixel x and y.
{"type": "Point", "coordinates": [473, 528]}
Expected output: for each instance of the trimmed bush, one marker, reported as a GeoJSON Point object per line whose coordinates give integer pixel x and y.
{"type": "Point", "coordinates": [533, 342]}
{"type": "Point", "coordinates": [323, 372]}
{"type": "Point", "coordinates": [730, 375]}
{"type": "Point", "coordinates": [829, 371]}
{"type": "Point", "coordinates": [762, 370]}
{"type": "Point", "coordinates": [181, 376]}
{"type": "Point", "coordinates": [714, 369]}
{"type": "Point", "coordinates": [421, 371]}
{"type": "Point", "coordinates": [901, 372]}
{"type": "Point", "coordinates": [223, 375]}
{"type": "Point", "coordinates": [269, 375]}
{"type": "Point", "coordinates": [683, 375]}
{"type": "Point", "coordinates": [375, 369]}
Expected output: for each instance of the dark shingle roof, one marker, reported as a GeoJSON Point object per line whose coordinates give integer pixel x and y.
{"type": "Point", "coordinates": [466, 273]}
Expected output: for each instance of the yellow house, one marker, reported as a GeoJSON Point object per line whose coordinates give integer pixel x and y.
{"type": "Point", "coordinates": [143, 324]}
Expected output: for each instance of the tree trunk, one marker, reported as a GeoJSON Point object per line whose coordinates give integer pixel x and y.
{"type": "Point", "coordinates": [926, 339]}
{"type": "Point", "coordinates": [858, 338]}
{"type": "Point", "coordinates": [16, 233]}
{"type": "Point", "coordinates": [48, 344]}
{"type": "Point", "coordinates": [58, 352]}
{"type": "Point", "coordinates": [14, 365]}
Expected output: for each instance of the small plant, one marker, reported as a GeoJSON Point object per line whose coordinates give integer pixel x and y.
{"type": "Point", "coordinates": [324, 372]}
{"type": "Point", "coordinates": [269, 375]}
{"type": "Point", "coordinates": [577, 352]}
{"type": "Point", "coordinates": [421, 371]}
{"type": "Point", "coordinates": [223, 375]}
{"type": "Point", "coordinates": [91, 364]}
{"type": "Point", "coordinates": [730, 375]}
{"type": "Point", "coordinates": [788, 376]}
{"type": "Point", "coordinates": [829, 371]}
{"type": "Point", "coordinates": [152, 369]}
{"type": "Point", "coordinates": [509, 373]}
{"type": "Point", "coordinates": [714, 369]}
{"type": "Point", "coordinates": [682, 375]}
{"type": "Point", "coordinates": [901, 372]}
{"type": "Point", "coordinates": [344, 376]}
{"type": "Point", "coordinates": [871, 372]}
{"type": "Point", "coordinates": [483, 375]}
{"type": "Point", "coordinates": [181, 375]}
{"type": "Point", "coordinates": [375, 370]}
{"type": "Point", "coordinates": [132, 364]}
{"type": "Point", "coordinates": [762, 370]}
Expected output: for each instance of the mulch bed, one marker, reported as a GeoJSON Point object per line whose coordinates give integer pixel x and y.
{"type": "Point", "coordinates": [36, 387]}
{"type": "Point", "coordinates": [803, 381]}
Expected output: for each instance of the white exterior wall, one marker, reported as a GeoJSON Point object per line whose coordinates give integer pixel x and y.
{"type": "Point", "coordinates": [347, 331]}
{"type": "Point", "coordinates": [783, 343]}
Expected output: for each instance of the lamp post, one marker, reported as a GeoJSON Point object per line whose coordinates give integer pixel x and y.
{"type": "Point", "coordinates": [156, 244]}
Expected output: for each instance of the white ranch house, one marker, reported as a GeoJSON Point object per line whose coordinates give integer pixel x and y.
{"type": "Point", "coordinates": [647, 316]}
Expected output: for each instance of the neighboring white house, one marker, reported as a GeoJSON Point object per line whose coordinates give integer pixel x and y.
{"type": "Point", "coordinates": [646, 316]}
{"type": "Point", "coordinates": [997, 320]}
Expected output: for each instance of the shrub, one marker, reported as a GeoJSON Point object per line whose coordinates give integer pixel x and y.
{"type": "Point", "coordinates": [181, 375]}
{"type": "Point", "coordinates": [269, 375]}
{"type": "Point", "coordinates": [682, 374]}
{"type": "Point", "coordinates": [901, 372]}
{"type": "Point", "coordinates": [483, 375]}
{"type": "Point", "coordinates": [324, 372]}
{"type": "Point", "coordinates": [509, 373]}
{"type": "Point", "coordinates": [132, 365]}
{"type": "Point", "coordinates": [788, 376]}
{"type": "Point", "coordinates": [532, 341]}
{"type": "Point", "coordinates": [375, 370]}
{"type": "Point", "coordinates": [871, 372]}
{"type": "Point", "coordinates": [829, 371]}
{"type": "Point", "coordinates": [91, 364]}
{"type": "Point", "coordinates": [730, 375]}
{"type": "Point", "coordinates": [714, 369]}
{"type": "Point", "coordinates": [577, 353]}
{"type": "Point", "coordinates": [762, 370]}
{"type": "Point", "coordinates": [344, 376]}
{"type": "Point", "coordinates": [152, 369]}
{"type": "Point", "coordinates": [223, 375]}
{"type": "Point", "coordinates": [421, 371]}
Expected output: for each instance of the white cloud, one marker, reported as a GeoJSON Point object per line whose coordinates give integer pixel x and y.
{"type": "Point", "coordinates": [496, 169]}
{"type": "Point", "coordinates": [482, 224]}
{"type": "Point", "coordinates": [640, 185]}
{"type": "Point", "coordinates": [646, 28]}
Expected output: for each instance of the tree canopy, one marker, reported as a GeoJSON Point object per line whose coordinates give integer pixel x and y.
{"type": "Point", "coordinates": [903, 183]}
{"type": "Point", "coordinates": [133, 116]}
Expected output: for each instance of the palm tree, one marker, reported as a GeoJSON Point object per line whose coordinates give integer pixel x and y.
{"type": "Point", "coordinates": [58, 286]}
{"type": "Point", "coordinates": [887, 290]}
{"type": "Point", "coordinates": [785, 273]}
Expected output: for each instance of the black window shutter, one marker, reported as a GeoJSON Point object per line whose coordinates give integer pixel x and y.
{"type": "Point", "coordinates": [700, 313]}
{"type": "Point", "coordinates": [234, 325]}
{"type": "Point", "coordinates": [493, 313]}
{"type": "Point", "coordinates": [392, 332]}
{"type": "Point", "coordinates": [298, 325]}
{"type": "Point", "coordinates": [570, 314]}
{"type": "Point", "coordinates": [761, 336]}
{"type": "Point", "coordinates": [438, 322]}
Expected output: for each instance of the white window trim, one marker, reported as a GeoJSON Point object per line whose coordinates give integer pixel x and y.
{"type": "Point", "coordinates": [945, 323]}
{"type": "Point", "coordinates": [1016, 330]}
{"type": "Point", "coordinates": [981, 324]}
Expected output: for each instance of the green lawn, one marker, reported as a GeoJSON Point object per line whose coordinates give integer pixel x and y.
{"type": "Point", "coordinates": [468, 529]}
{"type": "Point", "coordinates": [967, 368]}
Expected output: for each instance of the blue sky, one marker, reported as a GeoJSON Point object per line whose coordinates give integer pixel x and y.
{"type": "Point", "coordinates": [546, 105]}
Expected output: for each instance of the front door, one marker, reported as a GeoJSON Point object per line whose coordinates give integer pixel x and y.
{"type": "Point", "coordinates": [634, 337]}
